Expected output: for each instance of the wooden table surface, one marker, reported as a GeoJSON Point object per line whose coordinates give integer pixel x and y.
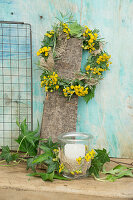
{"type": "Point", "coordinates": [14, 184]}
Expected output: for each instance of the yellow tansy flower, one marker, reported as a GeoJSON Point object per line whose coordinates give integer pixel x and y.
{"type": "Point", "coordinates": [79, 160]}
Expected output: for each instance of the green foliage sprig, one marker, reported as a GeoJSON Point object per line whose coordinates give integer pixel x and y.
{"type": "Point", "coordinates": [98, 162]}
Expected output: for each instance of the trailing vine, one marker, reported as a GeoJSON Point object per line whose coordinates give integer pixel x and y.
{"type": "Point", "coordinates": [29, 142]}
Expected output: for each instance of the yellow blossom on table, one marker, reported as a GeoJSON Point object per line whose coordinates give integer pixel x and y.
{"type": "Point", "coordinates": [72, 173]}
{"type": "Point", "coordinates": [79, 160]}
{"type": "Point", "coordinates": [61, 167]}
{"type": "Point", "coordinates": [92, 153]}
{"type": "Point", "coordinates": [87, 157]}
{"type": "Point", "coordinates": [78, 171]}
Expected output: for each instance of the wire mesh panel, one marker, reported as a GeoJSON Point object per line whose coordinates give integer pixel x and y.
{"type": "Point", "coordinates": [15, 79]}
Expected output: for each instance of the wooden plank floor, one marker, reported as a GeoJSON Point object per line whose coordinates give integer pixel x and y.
{"type": "Point", "coordinates": [14, 184]}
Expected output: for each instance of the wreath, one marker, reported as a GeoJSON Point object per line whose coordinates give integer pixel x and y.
{"type": "Point", "coordinates": [85, 81]}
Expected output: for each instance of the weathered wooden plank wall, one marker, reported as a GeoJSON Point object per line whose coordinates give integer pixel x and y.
{"type": "Point", "coordinates": [109, 116]}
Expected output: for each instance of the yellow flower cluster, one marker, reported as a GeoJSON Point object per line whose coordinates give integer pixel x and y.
{"type": "Point", "coordinates": [77, 172]}
{"type": "Point", "coordinates": [78, 90]}
{"type": "Point", "coordinates": [90, 155]}
{"type": "Point", "coordinates": [50, 34]}
{"type": "Point", "coordinates": [94, 70]}
{"type": "Point", "coordinates": [56, 150]}
{"type": "Point", "coordinates": [43, 50]}
{"type": "Point", "coordinates": [50, 82]}
{"type": "Point", "coordinates": [66, 30]}
{"type": "Point", "coordinates": [68, 91]}
{"type": "Point", "coordinates": [91, 40]}
{"type": "Point", "coordinates": [61, 167]}
{"type": "Point", "coordinates": [104, 58]}
{"type": "Point", "coordinates": [79, 160]}
{"type": "Point", "coordinates": [85, 34]}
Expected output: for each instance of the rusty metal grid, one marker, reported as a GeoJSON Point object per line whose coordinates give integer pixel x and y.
{"type": "Point", "coordinates": [16, 99]}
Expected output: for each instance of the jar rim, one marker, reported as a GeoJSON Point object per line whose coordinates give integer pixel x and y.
{"type": "Point", "coordinates": [78, 136]}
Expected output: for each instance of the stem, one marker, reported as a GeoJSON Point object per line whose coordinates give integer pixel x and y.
{"type": "Point", "coordinates": [22, 159]}
{"type": "Point", "coordinates": [99, 179]}
{"type": "Point", "coordinates": [2, 161]}
{"type": "Point", "coordinates": [54, 43]}
{"type": "Point", "coordinates": [25, 154]}
{"type": "Point", "coordinates": [21, 143]}
{"type": "Point", "coordinates": [118, 162]}
{"type": "Point", "coordinates": [8, 165]}
{"type": "Point", "coordinates": [43, 139]}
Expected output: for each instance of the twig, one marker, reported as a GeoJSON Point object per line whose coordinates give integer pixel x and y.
{"type": "Point", "coordinates": [2, 161]}
{"type": "Point", "coordinates": [118, 162]}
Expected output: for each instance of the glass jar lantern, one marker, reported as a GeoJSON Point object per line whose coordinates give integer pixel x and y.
{"type": "Point", "coordinates": [74, 154]}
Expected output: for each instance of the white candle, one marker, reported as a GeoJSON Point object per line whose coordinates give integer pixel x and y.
{"type": "Point", "coordinates": [73, 151]}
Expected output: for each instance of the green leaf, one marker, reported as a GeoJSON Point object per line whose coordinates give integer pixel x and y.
{"type": "Point", "coordinates": [30, 164]}
{"type": "Point", "coordinates": [46, 149]}
{"type": "Point", "coordinates": [102, 155]}
{"type": "Point", "coordinates": [28, 140]}
{"type": "Point", "coordinates": [111, 178]}
{"type": "Point", "coordinates": [118, 172]}
{"type": "Point", "coordinates": [41, 158]}
{"type": "Point", "coordinates": [56, 176]}
{"type": "Point", "coordinates": [119, 168]}
{"type": "Point", "coordinates": [97, 163]}
{"type": "Point", "coordinates": [44, 176]}
{"type": "Point", "coordinates": [95, 168]}
{"type": "Point", "coordinates": [75, 29]}
{"type": "Point", "coordinates": [52, 167]}
{"type": "Point", "coordinates": [90, 95]}
{"type": "Point", "coordinates": [50, 144]}
{"type": "Point", "coordinates": [50, 177]}
{"type": "Point", "coordinates": [27, 147]}
{"type": "Point", "coordinates": [6, 154]}
{"type": "Point", "coordinates": [115, 170]}
{"type": "Point", "coordinates": [125, 173]}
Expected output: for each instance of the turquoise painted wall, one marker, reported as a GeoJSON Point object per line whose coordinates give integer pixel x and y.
{"type": "Point", "coordinates": [109, 116]}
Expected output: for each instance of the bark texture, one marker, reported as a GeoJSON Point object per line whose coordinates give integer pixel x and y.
{"type": "Point", "coordinates": [60, 115]}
